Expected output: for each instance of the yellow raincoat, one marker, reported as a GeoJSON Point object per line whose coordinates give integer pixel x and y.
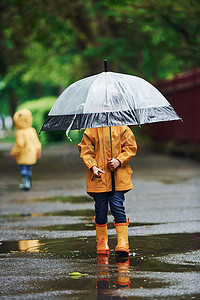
{"type": "Point", "coordinates": [95, 150]}
{"type": "Point", "coordinates": [27, 145]}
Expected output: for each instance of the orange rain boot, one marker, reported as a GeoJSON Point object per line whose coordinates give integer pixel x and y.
{"type": "Point", "coordinates": [102, 238]}
{"type": "Point", "coordinates": [122, 237]}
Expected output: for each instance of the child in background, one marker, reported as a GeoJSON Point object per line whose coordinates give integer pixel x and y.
{"type": "Point", "coordinates": [27, 148]}
{"type": "Point", "coordinates": [95, 151]}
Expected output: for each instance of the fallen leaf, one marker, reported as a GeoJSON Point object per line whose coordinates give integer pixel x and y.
{"type": "Point", "coordinates": [76, 275]}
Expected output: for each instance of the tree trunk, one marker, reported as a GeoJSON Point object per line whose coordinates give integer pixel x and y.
{"type": "Point", "coordinates": [13, 101]}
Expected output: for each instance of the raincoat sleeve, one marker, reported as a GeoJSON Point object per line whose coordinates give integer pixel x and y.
{"type": "Point", "coordinates": [37, 142]}
{"type": "Point", "coordinates": [87, 152]}
{"type": "Point", "coordinates": [129, 147]}
{"type": "Point", "coordinates": [19, 144]}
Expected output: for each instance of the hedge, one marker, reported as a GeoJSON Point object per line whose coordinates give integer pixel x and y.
{"type": "Point", "coordinates": [40, 109]}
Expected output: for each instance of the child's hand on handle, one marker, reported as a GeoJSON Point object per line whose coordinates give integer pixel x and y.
{"type": "Point", "coordinates": [113, 164]}
{"type": "Point", "coordinates": [97, 172]}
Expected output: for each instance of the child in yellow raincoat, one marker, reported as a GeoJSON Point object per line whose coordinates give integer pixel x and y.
{"type": "Point", "coordinates": [95, 151]}
{"type": "Point", "coordinates": [27, 148]}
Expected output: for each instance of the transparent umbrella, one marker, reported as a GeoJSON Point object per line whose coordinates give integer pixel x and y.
{"type": "Point", "coordinates": [108, 99]}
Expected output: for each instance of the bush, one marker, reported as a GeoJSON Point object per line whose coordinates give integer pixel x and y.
{"type": "Point", "coordinates": [40, 109]}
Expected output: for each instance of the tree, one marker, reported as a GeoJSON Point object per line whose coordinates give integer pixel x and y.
{"type": "Point", "coordinates": [46, 45]}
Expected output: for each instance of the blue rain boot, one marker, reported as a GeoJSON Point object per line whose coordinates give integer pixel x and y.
{"type": "Point", "coordinates": [26, 183]}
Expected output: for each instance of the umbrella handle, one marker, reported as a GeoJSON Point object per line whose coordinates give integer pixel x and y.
{"type": "Point", "coordinates": [105, 65]}
{"type": "Point", "coordinates": [113, 181]}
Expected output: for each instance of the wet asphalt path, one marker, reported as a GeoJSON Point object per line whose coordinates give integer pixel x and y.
{"type": "Point", "coordinates": [49, 232]}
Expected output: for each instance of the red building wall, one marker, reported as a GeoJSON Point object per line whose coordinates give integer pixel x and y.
{"type": "Point", "coordinates": [183, 93]}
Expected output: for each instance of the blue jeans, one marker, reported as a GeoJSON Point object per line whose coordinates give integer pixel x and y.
{"type": "Point", "coordinates": [25, 170]}
{"type": "Point", "coordinates": [117, 209]}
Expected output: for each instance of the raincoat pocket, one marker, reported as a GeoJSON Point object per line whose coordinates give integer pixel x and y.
{"type": "Point", "coordinates": [123, 178]}
{"type": "Point", "coordinates": [129, 170]}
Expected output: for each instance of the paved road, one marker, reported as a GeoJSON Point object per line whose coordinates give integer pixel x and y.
{"type": "Point", "coordinates": [49, 232]}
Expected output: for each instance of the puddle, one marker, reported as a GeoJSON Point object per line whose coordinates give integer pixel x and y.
{"type": "Point", "coordinates": [144, 249]}
{"type": "Point", "coordinates": [87, 225]}
{"type": "Point", "coordinates": [70, 227]}
{"type": "Point", "coordinates": [70, 199]}
{"type": "Point", "coordinates": [41, 269]}
{"type": "Point", "coordinates": [73, 213]}
{"type": "Point", "coordinates": [174, 180]}
{"type": "Point", "coordinates": [63, 213]}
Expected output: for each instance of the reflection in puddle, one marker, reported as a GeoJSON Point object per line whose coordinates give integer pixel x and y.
{"type": "Point", "coordinates": [103, 277]}
{"type": "Point", "coordinates": [29, 246]}
{"type": "Point", "coordinates": [123, 280]}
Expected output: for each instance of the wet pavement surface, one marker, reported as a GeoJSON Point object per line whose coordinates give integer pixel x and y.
{"type": "Point", "coordinates": [48, 233]}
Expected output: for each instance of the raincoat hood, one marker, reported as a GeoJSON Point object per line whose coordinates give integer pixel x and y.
{"type": "Point", "coordinates": [23, 119]}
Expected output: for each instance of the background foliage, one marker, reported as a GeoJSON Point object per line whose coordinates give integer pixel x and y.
{"type": "Point", "coordinates": [46, 45]}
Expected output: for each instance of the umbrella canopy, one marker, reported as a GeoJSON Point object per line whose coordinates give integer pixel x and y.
{"type": "Point", "coordinates": [108, 99]}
